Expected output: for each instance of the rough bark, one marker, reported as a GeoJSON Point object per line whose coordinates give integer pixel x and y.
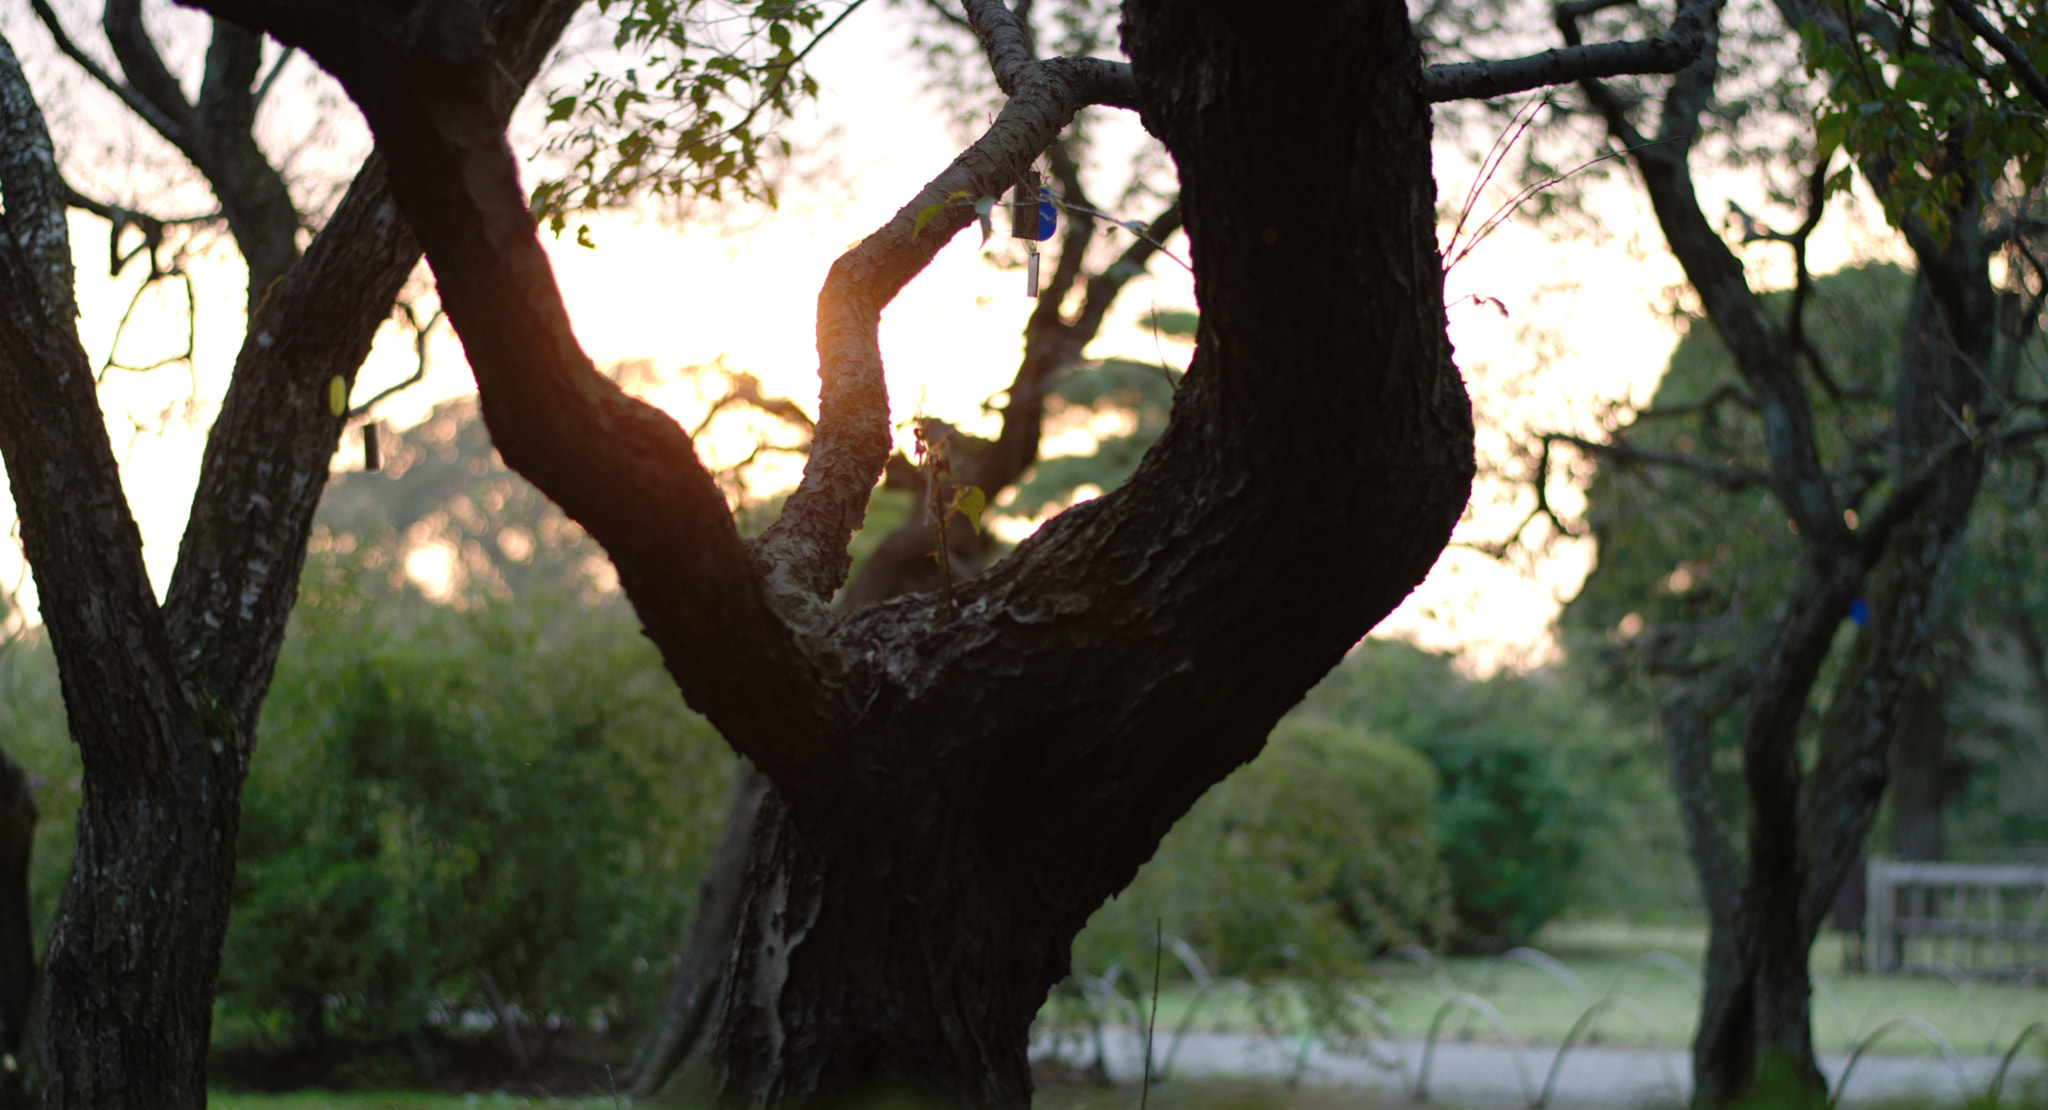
{"type": "Point", "coordinates": [983, 888]}
{"type": "Point", "coordinates": [903, 564]}
{"type": "Point", "coordinates": [954, 794]}
{"type": "Point", "coordinates": [163, 701]}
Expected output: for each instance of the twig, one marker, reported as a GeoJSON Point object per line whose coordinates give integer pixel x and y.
{"type": "Point", "coordinates": [1152, 1023]}
{"type": "Point", "coordinates": [269, 79]}
{"type": "Point", "coordinates": [419, 348]}
{"type": "Point", "coordinates": [2015, 57]}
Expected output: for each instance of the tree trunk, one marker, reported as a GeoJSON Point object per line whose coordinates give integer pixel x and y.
{"type": "Point", "coordinates": [699, 981]}
{"type": "Point", "coordinates": [957, 790]}
{"type": "Point", "coordinates": [873, 964]}
{"type": "Point", "coordinates": [901, 565]}
{"type": "Point", "coordinates": [1919, 751]}
{"type": "Point", "coordinates": [904, 944]}
{"type": "Point", "coordinates": [162, 700]}
{"type": "Point", "coordinates": [1807, 830]}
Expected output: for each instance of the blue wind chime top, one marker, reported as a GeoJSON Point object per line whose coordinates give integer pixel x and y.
{"type": "Point", "coordinates": [1034, 216]}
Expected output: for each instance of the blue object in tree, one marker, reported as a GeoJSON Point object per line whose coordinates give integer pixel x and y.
{"type": "Point", "coordinates": [1859, 611]}
{"type": "Point", "coordinates": [1024, 222]}
{"type": "Point", "coordinates": [1048, 215]}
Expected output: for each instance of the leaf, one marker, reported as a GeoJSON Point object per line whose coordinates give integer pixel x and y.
{"type": "Point", "coordinates": [969, 502]}
{"type": "Point", "coordinates": [583, 238]}
{"type": "Point", "coordinates": [982, 207]}
{"type": "Point", "coordinates": [337, 397]}
{"type": "Point", "coordinates": [924, 216]}
{"type": "Point", "coordinates": [561, 109]}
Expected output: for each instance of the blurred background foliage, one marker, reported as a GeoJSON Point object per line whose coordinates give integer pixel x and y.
{"type": "Point", "coordinates": [1305, 864]}
{"type": "Point", "coordinates": [1687, 567]}
{"type": "Point", "coordinates": [476, 795]}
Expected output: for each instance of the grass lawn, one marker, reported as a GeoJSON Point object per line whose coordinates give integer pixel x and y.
{"type": "Point", "coordinates": [1655, 975]}
{"type": "Point", "coordinates": [393, 1100]}
{"type": "Point", "coordinates": [1537, 1001]}
{"type": "Point", "coordinates": [1177, 1095]}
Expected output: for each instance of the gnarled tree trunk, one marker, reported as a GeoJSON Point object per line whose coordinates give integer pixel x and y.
{"type": "Point", "coordinates": [958, 787]}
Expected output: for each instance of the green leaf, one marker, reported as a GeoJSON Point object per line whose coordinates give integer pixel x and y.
{"type": "Point", "coordinates": [561, 109]}
{"type": "Point", "coordinates": [969, 502]}
{"type": "Point", "coordinates": [924, 216]}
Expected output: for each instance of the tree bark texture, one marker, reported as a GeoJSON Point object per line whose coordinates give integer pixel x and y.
{"type": "Point", "coordinates": [957, 790]}
{"type": "Point", "coordinates": [903, 564]}
{"type": "Point", "coordinates": [163, 701]}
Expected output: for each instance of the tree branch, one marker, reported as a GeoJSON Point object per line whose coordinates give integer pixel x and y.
{"type": "Point", "coordinates": [33, 191]}
{"type": "Point", "coordinates": [144, 67]}
{"type": "Point", "coordinates": [270, 79]}
{"type": "Point", "coordinates": [1716, 274]}
{"type": "Point", "coordinates": [1604, 100]}
{"type": "Point", "coordinates": [136, 102]}
{"type": "Point", "coordinates": [1732, 479]}
{"type": "Point", "coordinates": [1487, 78]}
{"type": "Point", "coordinates": [803, 554]}
{"type": "Point", "coordinates": [939, 8]}
{"type": "Point", "coordinates": [619, 467]}
{"type": "Point", "coordinates": [2023, 69]}
{"type": "Point", "coordinates": [267, 456]}
{"type": "Point", "coordinates": [1004, 39]}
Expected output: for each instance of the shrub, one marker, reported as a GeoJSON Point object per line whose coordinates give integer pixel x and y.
{"type": "Point", "coordinates": [1548, 802]}
{"type": "Point", "coordinates": [453, 808]}
{"type": "Point", "coordinates": [1303, 864]}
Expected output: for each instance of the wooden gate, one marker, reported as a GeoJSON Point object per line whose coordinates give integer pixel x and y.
{"type": "Point", "coordinates": [1979, 919]}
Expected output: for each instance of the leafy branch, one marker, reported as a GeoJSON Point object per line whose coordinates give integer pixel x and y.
{"type": "Point", "coordinates": [694, 119]}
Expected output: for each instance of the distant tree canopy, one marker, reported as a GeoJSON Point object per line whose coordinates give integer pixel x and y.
{"type": "Point", "coordinates": [1690, 570]}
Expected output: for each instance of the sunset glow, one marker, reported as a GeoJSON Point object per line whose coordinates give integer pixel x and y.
{"type": "Point", "coordinates": [1542, 331]}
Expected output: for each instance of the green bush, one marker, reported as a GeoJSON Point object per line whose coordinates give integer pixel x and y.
{"type": "Point", "coordinates": [451, 807]}
{"type": "Point", "coordinates": [1548, 802]}
{"type": "Point", "coordinates": [1303, 864]}
{"type": "Point", "coordinates": [36, 735]}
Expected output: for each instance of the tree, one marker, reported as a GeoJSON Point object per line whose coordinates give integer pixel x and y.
{"type": "Point", "coordinates": [956, 786]}
{"type": "Point", "coordinates": [1874, 500]}
{"type": "Point", "coordinates": [902, 562]}
{"type": "Point", "coordinates": [162, 700]}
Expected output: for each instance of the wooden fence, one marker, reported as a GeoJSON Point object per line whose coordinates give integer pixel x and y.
{"type": "Point", "coordinates": [1978, 919]}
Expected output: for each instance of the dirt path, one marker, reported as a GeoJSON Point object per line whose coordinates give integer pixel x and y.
{"type": "Point", "coordinates": [1500, 1075]}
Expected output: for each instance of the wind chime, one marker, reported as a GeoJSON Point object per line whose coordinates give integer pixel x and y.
{"type": "Point", "coordinates": [1033, 218]}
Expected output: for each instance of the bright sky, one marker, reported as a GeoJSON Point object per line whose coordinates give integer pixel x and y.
{"type": "Point", "coordinates": [686, 297]}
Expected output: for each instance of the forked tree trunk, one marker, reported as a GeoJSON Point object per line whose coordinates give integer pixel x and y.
{"type": "Point", "coordinates": [902, 941]}
{"type": "Point", "coordinates": [1808, 829]}
{"type": "Point", "coordinates": [957, 789]}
